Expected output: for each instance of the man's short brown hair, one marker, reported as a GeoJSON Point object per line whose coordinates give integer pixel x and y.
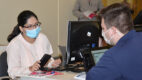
{"type": "Point", "coordinates": [117, 15]}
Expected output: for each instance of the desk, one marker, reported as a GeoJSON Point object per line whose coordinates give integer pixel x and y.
{"type": "Point", "coordinates": [3, 77]}
{"type": "Point", "coordinates": [65, 76]}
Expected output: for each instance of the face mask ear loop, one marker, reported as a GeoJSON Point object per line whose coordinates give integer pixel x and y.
{"type": "Point", "coordinates": [119, 33]}
{"type": "Point", "coordinates": [107, 40]}
{"type": "Point", "coordinates": [111, 38]}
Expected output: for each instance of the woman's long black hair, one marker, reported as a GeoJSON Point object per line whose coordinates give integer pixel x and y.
{"type": "Point", "coordinates": [22, 20]}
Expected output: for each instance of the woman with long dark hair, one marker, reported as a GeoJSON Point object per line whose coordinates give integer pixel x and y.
{"type": "Point", "coordinates": [27, 46]}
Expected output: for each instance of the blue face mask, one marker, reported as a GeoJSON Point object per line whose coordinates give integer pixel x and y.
{"type": "Point", "coordinates": [33, 33]}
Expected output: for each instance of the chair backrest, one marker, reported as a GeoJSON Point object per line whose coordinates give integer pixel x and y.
{"type": "Point", "coordinates": [138, 18]}
{"type": "Point", "coordinates": [3, 64]}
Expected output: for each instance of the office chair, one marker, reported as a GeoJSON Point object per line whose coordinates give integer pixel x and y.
{"type": "Point", "coordinates": [138, 18]}
{"type": "Point", "coordinates": [3, 65]}
{"type": "Point", "coordinates": [138, 28]}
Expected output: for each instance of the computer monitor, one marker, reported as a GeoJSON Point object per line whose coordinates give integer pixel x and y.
{"type": "Point", "coordinates": [97, 54]}
{"type": "Point", "coordinates": [81, 34]}
{"type": "Point", "coordinates": [92, 57]}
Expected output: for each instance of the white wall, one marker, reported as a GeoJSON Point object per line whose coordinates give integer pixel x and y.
{"type": "Point", "coordinates": [65, 15]}
{"type": "Point", "coordinates": [54, 15]}
{"type": "Point", "coordinates": [46, 11]}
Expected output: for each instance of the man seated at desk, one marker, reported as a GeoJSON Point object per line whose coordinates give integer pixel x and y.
{"type": "Point", "coordinates": [123, 61]}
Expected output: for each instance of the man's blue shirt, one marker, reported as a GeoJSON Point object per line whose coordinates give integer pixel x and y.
{"type": "Point", "coordinates": [121, 62]}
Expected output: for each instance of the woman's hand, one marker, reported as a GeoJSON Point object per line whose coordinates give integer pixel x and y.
{"type": "Point", "coordinates": [56, 63]}
{"type": "Point", "coordinates": [35, 66]}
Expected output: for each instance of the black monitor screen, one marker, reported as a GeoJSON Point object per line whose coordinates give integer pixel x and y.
{"type": "Point", "coordinates": [81, 34]}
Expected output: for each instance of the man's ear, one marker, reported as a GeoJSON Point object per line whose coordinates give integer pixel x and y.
{"type": "Point", "coordinates": [21, 29]}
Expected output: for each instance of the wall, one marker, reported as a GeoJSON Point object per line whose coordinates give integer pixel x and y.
{"type": "Point", "coordinates": [109, 2]}
{"type": "Point", "coordinates": [46, 11]}
{"type": "Point", "coordinates": [54, 15]}
{"type": "Point", "coordinates": [137, 4]}
{"type": "Point", "coordinates": [65, 15]}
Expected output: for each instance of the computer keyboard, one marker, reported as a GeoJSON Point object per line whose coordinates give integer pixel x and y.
{"type": "Point", "coordinates": [60, 68]}
{"type": "Point", "coordinates": [74, 68]}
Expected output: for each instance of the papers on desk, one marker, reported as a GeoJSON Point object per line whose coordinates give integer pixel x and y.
{"type": "Point", "coordinates": [80, 76]}
{"type": "Point", "coordinates": [40, 75]}
{"type": "Point", "coordinates": [35, 77]}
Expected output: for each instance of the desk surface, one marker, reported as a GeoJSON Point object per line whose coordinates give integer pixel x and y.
{"type": "Point", "coordinates": [65, 76]}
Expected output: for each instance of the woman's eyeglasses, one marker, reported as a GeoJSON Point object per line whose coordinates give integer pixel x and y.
{"type": "Point", "coordinates": [32, 26]}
